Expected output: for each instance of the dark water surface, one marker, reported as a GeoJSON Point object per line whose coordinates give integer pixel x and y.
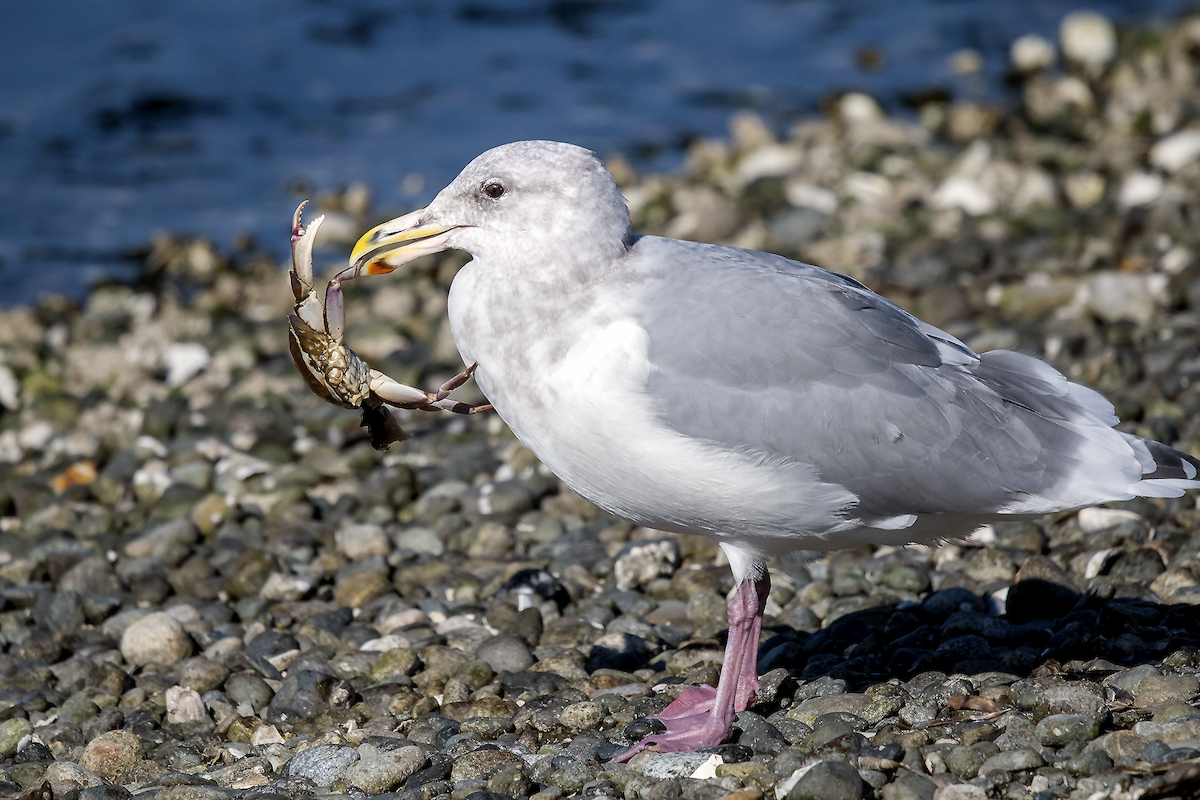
{"type": "Point", "coordinates": [125, 117]}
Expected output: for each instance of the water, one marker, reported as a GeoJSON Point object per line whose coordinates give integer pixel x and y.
{"type": "Point", "coordinates": [126, 117]}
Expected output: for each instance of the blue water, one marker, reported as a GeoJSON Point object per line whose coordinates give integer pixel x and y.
{"type": "Point", "coordinates": [126, 117]}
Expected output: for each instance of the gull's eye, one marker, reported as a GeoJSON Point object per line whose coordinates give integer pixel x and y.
{"type": "Point", "coordinates": [494, 189]}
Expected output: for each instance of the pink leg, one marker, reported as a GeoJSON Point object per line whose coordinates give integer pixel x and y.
{"type": "Point", "coordinates": [702, 716]}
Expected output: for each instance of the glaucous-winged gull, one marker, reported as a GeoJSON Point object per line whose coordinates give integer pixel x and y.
{"type": "Point", "coordinates": [768, 404]}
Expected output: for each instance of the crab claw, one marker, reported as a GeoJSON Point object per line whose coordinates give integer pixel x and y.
{"type": "Point", "coordinates": [335, 372]}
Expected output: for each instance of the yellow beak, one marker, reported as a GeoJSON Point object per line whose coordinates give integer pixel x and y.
{"type": "Point", "coordinates": [387, 246]}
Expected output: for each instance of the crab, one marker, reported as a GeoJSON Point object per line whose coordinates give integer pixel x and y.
{"type": "Point", "coordinates": [336, 373]}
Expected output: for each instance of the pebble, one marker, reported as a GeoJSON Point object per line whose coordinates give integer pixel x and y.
{"type": "Point", "coordinates": [155, 639]}
{"type": "Point", "coordinates": [322, 764]}
{"type": "Point", "coordinates": [112, 754]}
{"type": "Point", "coordinates": [827, 780]}
{"type": "Point", "coordinates": [1088, 38]}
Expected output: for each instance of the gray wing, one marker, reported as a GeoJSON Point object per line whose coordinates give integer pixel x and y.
{"type": "Point", "coordinates": [785, 360]}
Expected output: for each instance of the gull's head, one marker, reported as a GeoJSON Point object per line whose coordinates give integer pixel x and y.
{"type": "Point", "coordinates": [532, 205]}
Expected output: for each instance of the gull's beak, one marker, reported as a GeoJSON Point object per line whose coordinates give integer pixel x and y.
{"type": "Point", "coordinates": [387, 246]}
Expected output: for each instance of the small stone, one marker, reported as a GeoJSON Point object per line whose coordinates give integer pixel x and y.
{"type": "Point", "coordinates": [828, 780]}
{"type": "Point", "coordinates": [1012, 761]}
{"type": "Point", "coordinates": [644, 560]}
{"type": "Point", "coordinates": [423, 541]}
{"type": "Point", "coordinates": [112, 753]}
{"type": "Point", "coordinates": [382, 770]}
{"type": "Point", "coordinates": [304, 694]}
{"type": "Point", "coordinates": [850, 703]}
{"type": "Point", "coordinates": [362, 589]}
{"type": "Point", "coordinates": [12, 731]}
{"type": "Point", "coordinates": [1155, 689]}
{"type": "Point", "coordinates": [1140, 189]}
{"type": "Point", "coordinates": [202, 674]}
{"type": "Point", "coordinates": [506, 654]}
{"type": "Point", "coordinates": [1057, 730]}
{"type": "Point", "coordinates": [1088, 39]}
{"type": "Point", "coordinates": [64, 777]}
{"type": "Point", "coordinates": [322, 764]}
{"type": "Point", "coordinates": [1031, 53]}
{"type": "Point", "coordinates": [960, 791]}
{"type": "Point", "coordinates": [183, 361]}
{"type": "Point", "coordinates": [249, 688]}
{"type": "Point", "coordinates": [184, 705]}
{"type": "Point", "coordinates": [662, 766]}
{"type": "Point", "coordinates": [481, 764]}
{"type": "Point", "coordinates": [360, 540]}
{"type": "Point", "coordinates": [582, 716]}
{"type": "Point", "coordinates": [909, 786]}
{"type": "Point", "coordinates": [155, 639]}
{"type": "Point", "coordinates": [1176, 151]}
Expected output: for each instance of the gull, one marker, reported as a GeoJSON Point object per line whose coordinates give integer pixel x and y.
{"type": "Point", "coordinates": [770, 405]}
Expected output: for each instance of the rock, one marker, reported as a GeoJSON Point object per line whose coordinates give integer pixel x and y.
{"type": "Point", "coordinates": [322, 764]}
{"type": "Point", "coordinates": [481, 764]}
{"type": "Point", "coordinates": [1173, 153]}
{"type": "Point", "coordinates": [361, 540]}
{"type": "Point", "coordinates": [64, 777]}
{"type": "Point", "coordinates": [381, 770]}
{"type": "Point", "coordinates": [1117, 296]}
{"type": "Point", "coordinates": [1140, 189]}
{"type": "Point", "coordinates": [643, 561]}
{"type": "Point", "coordinates": [155, 639]}
{"type": "Point", "coordinates": [505, 654]}
{"type": "Point", "coordinates": [184, 705]}
{"type": "Point", "coordinates": [305, 694]}
{"type": "Point", "coordinates": [1031, 53]}
{"type": "Point", "coordinates": [249, 688]}
{"type": "Point", "coordinates": [1155, 689]}
{"type": "Point", "coordinates": [828, 780]}
{"type": "Point", "coordinates": [661, 766]}
{"type": "Point", "coordinates": [1088, 39]}
{"type": "Point", "coordinates": [1057, 730]}
{"type": "Point", "coordinates": [1070, 698]}
{"type": "Point", "coordinates": [112, 753]}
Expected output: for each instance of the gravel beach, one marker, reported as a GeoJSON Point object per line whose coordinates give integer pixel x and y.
{"type": "Point", "coordinates": [212, 586]}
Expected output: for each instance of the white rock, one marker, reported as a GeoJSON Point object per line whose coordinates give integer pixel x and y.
{"type": "Point", "coordinates": [643, 561]}
{"type": "Point", "coordinates": [868, 188]}
{"type": "Point", "coordinates": [184, 360]}
{"type": "Point", "coordinates": [281, 587]}
{"type": "Point", "coordinates": [1115, 296]}
{"type": "Point", "coordinates": [806, 195]}
{"type": "Point", "coordinates": [857, 108]}
{"type": "Point", "coordinates": [10, 390]}
{"type": "Point", "coordinates": [359, 540]}
{"type": "Point", "coordinates": [1084, 189]}
{"type": "Point", "coordinates": [1091, 520]}
{"type": "Point", "coordinates": [184, 705]}
{"type": "Point", "coordinates": [1140, 189]}
{"type": "Point", "coordinates": [1176, 151]}
{"type": "Point", "coordinates": [1035, 190]}
{"type": "Point", "coordinates": [771, 161]}
{"type": "Point", "coordinates": [1088, 38]}
{"type": "Point", "coordinates": [155, 638]}
{"type": "Point", "coordinates": [1031, 53]}
{"type": "Point", "coordinates": [964, 193]}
